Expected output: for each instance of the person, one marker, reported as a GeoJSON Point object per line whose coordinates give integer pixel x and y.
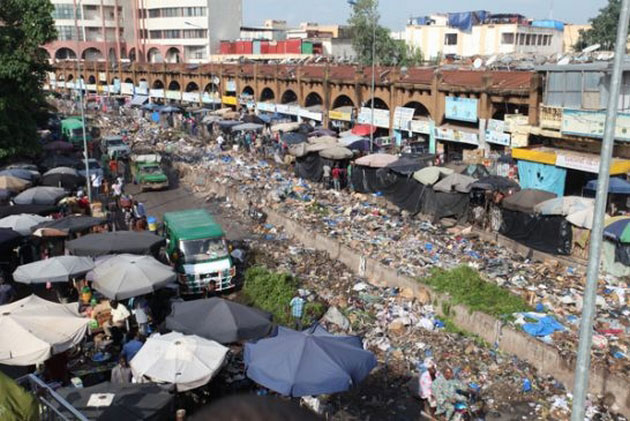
{"type": "Point", "coordinates": [97, 181]}
{"type": "Point", "coordinates": [117, 188]}
{"type": "Point", "coordinates": [118, 317]}
{"type": "Point", "coordinates": [131, 348]}
{"type": "Point", "coordinates": [326, 176]}
{"type": "Point", "coordinates": [138, 209]}
{"type": "Point", "coordinates": [7, 293]}
{"type": "Point", "coordinates": [426, 381]}
{"type": "Point", "coordinates": [297, 310]}
{"type": "Point", "coordinates": [113, 167]}
{"type": "Point", "coordinates": [220, 141]}
{"type": "Point", "coordinates": [349, 176]}
{"type": "Point", "coordinates": [336, 178]}
{"type": "Point", "coordinates": [248, 141]}
{"type": "Point", "coordinates": [121, 373]}
{"type": "Point", "coordinates": [445, 389]}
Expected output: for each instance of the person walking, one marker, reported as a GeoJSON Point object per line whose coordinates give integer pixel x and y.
{"type": "Point", "coordinates": [336, 178]}
{"type": "Point", "coordinates": [326, 176]}
{"type": "Point", "coordinates": [97, 181]}
{"type": "Point", "coordinates": [297, 310]}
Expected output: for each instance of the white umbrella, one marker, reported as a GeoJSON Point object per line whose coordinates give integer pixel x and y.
{"type": "Point", "coordinates": [582, 218]}
{"type": "Point", "coordinates": [285, 127]}
{"type": "Point", "coordinates": [430, 175]}
{"type": "Point", "coordinates": [187, 361]}
{"type": "Point", "coordinates": [33, 329]}
{"type": "Point", "coordinates": [22, 223]}
{"type": "Point", "coordinates": [565, 205]}
{"type": "Point", "coordinates": [127, 275]}
{"type": "Point", "coordinates": [55, 269]}
{"type": "Point", "coordinates": [62, 170]}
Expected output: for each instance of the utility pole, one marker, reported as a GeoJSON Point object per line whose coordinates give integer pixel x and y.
{"type": "Point", "coordinates": [85, 148]}
{"type": "Point", "coordinates": [582, 368]}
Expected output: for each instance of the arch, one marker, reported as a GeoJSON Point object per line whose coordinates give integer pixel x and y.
{"type": "Point", "coordinates": [65, 53]}
{"type": "Point", "coordinates": [154, 56]}
{"type": "Point", "coordinates": [313, 99]}
{"type": "Point", "coordinates": [288, 97]}
{"type": "Point", "coordinates": [128, 80]}
{"type": "Point", "coordinates": [248, 91]}
{"type": "Point", "coordinates": [378, 104]}
{"type": "Point", "coordinates": [211, 87]}
{"type": "Point", "coordinates": [91, 80]}
{"type": "Point", "coordinates": [267, 94]}
{"type": "Point", "coordinates": [131, 54]}
{"type": "Point", "coordinates": [172, 55]}
{"type": "Point", "coordinates": [92, 54]}
{"type": "Point", "coordinates": [420, 109]}
{"type": "Point", "coordinates": [174, 86]}
{"type": "Point", "coordinates": [157, 84]}
{"type": "Point", "coordinates": [69, 78]}
{"type": "Point", "coordinates": [342, 101]}
{"type": "Point", "coordinates": [192, 87]}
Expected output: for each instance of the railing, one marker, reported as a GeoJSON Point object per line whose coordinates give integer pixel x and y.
{"type": "Point", "coordinates": [52, 406]}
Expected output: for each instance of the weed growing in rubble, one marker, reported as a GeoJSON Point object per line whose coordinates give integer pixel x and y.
{"type": "Point", "coordinates": [465, 286]}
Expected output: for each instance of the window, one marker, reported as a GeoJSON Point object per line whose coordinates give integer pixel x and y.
{"type": "Point", "coordinates": [193, 11]}
{"type": "Point", "coordinates": [520, 39]}
{"type": "Point", "coordinates": [64, 11]}
{"type": "Point", "coordinates": [155, 34]}
{"type": "Point", "coordinates": [154, 13]}
{"type": "Point", "coordinates": [450, 39]}
{"type": "Point", "coordinates": [171, 34]}
{"type": "Point", "coordinates": [171, 12]}
{"type": "Point", "coordinates": [507, 38]}
{"type": "Point", "coordinates": [195, 33]}
{"type": "Point", "coordinates": [548, 40]}
{"type": "Point", "coordinates": [68, 33]}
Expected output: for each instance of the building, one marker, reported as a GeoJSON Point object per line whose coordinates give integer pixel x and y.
{"type": "Point", "coordinates": [272, 30]}
{"type": "Point", "coordinates": [482, 34]}
{"type": "Point", "coordinates": [144, 30]}
{"type": "Point", "coordinates": [572, 35]}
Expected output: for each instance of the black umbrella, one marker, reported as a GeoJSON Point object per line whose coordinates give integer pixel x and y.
{"type": "Point", "coordinates": [8, 237]}
{"type": "Point", "coordinates": [66, 181]}
{"type": "Point", "coordinates": [294, 138]}
{"type": "Point", "coordinates": [20, 173]}
{"type": "Point", "coordinates": [130, 402]}
{"type": "Point", "coordinates": [220, 320]}
{"type": "Point", "coordinates": [71, 224]}
{"type": "Point", "coordinates": [495, 182]}
{"type": "Point", "coordinates": [305, 128]}
{"type": "Point", "coordinates": [41, 195]}
{"type": "Point", "coordinates": [252, 118]}
{"type": "Point", "coordinates": [115, 243]}
{"type": "Point", "coordinates": [42, 210]}
{"type": "Point", "coordinates": [406, 165]}
{"type": "Point", "coordinates": [54, 161]}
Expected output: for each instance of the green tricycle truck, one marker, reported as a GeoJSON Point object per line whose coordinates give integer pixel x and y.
{"type": "Point", "coordinates": [147, 172]}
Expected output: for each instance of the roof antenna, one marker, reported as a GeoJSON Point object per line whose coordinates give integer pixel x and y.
{"type": "Point", "coordinates": [551, 9]}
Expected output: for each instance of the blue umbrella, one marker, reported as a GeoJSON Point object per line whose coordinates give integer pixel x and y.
{"type": "Point", "coordinates": [151, 107]}
{"type": "Point", "coordinates": [617, 186]}
{"type": "Point", "coordinates": [362, 145]}
{"type": "Point", "coordinates": [294, 138]}
{"type": "Point", "coordinates": [312, 362]}
{"type": "Point", "coordinates": [19, 173]}
{"type": "Point", "coordinates": [171, 109]}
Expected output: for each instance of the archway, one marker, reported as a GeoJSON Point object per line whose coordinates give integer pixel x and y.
{"type": "Point", "coordinates": [154, 56]}
{"type": "Point", "coordinates": [267, 95]}
{"type": "Point", "coordinates": [288, 97]}
{"type": "Point", "coordinates": [157, 84]}
{"type": "Point", "coordinates": [313, 99]}
{"type": "Point", "coordinates": [128, 80]}
{"type": "Point", "coordinates": [92, 54]}
{"type": "Point", "coordinates": [91, 80]}
{"type": "Point", "coordinates": [342, 101]}
{"type": "Point", "coordinates": [378, 104]}
{"type": "Point", "coordinates": [174, 86]}
{"type": "Point", "coordinates": [65, 54]}
{"type": "Point", "coordinates": [420, 110]}
{"type": "Point", "coordinates": [132, 54]}
{"type": "Point", "coordinates": [173, 55]}
{"type": "Point", "coordinates": [192, 87]}
{"type": "Point", "coordinates": [248, 91]}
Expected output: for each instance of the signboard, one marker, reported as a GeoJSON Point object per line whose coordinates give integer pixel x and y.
{"type": "Point", "coordinates": [206, 98]}
{"type": "Point", "coordinates": [420, 126]}
{"type": "Point", "coordinates": [496, 125]}
{"type": "Point", "coordinates": [317, 116]}
{"type": "Point", "coordinates": [381, 117]}
{"type": "Point", "coordinates": [142, 90]}
{"type": "Point", "coordinates": [454, 135]}
{"type": "Point", "coordinates": [191, 96]}
{"type": "Point", "coordinates": [341, 116]}
{"type": "Point", "coordinates": [402, 117]}
{"type": "Point", "coordinates": [91, 87]}
{"type": "Point", "coordinates": [591, 124]}
{"type": "Point", "coordinates": [156, 93]}
{"type": "Point", "coordinates": [113, 89]}
{"type": "Point", "coordinates": [126, 88]}
{"type": "Point", "coordinates": [229, 100]}
{"type": "Point", "coordinates": [230, 86]}
{"type": "Point", "coordinates": [461, 109]}
{"type": "Point", "coordinates": [267, 107]}
{"type": "Point", "coordinates": [498, 138]}
{"type": "Point", "coordinates": [173, 95]}
{"type": "Point", "coordinates": [578, 162]}
{"type": "Point", "coordinates": [287, 109]}
{"type": "Point", "coordinates": [102, 77]}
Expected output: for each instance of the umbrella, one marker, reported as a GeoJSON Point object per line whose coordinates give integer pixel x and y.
{"type": "Point", "coordinates": [21, 223]}
{"type": "Point", "coordinates": [312, 362]}
{"type": "Point", "coordinates": [336, 153]}
{"type": "Point", "coordinates": [127, 275]}
{"type": "Point", "coordinates": [377, 160]}
{"type": "Point", "coordinates": [62, 170]}
{"type": "Point", "coordinates": [323, 132]}
{"type": "Point", "coordinates": [616, 185]}
{"type": "Point", "coordinates": [618, 229]}
{"type": "Point", "coordinates": [227, 124]}
{"type": "Point", "coordinates": [221, 320]}
{"type": "Point", "coordinates": [298, 150]}
{"type": "Point", "coordinates": [5, 195]}
{"type": "Point", "coordinates": [66, 181]}
{"type": "Point", "coordinates": [363, 129]}
{"type": "Point", "coordinates": [405, 165]}
{"type": "Point", "coordinates": [317, 147]}
{"type": "Point", "coordinates": [71, 224]}
{"type": "Point", "coordinates": [294, 138]}
{"type": "Point", "coordinates": [362, 145]}
{"type": "Point", "coordinates": [151, 107]}
{"type": "Point", "coordinates": [495, 182]}
{"type": "Point", "coordinates": [564, 205]}
{"type": "Point", "coordinates": [285, 127]}
{"type": "Point", "coordinates": [323, 139]}
{"type": "Point", "coordinates": [131, 401]}
{"type": "Point", "coordinates": [245, 127]}
{"type": "Point", "coordinates": [431, 175]}
{"type": "Point", "coordinates": [457, 182]}
{"type": "Point", "coordinates": [58, 145]}
{"type": "Point", "coordinates": [170, 109]}
{"type": "Point", "coordinates": [350, 139]}
{"type": "Point", "coordinates": [19, 173]}
{"type": "Point", "coordinates": [55, 269]}
{"type": "Point", "coordinates": [40, 196]}
{"type": "Point", "coordinates": [210, 119]}
{"type": "Point", "coordinates": [42, 210]}
{"type": "Point", "coordinates": [187, 362]}
{"type": "Point", "coordinates": [8, 237]}
{"type": "Point", "coordinates": [525, 200]}
{"type": "Point", "coordinates": [252, 118]}
{"type": "Point", "coordinates": [13, 184]}
{"type": "Point", "coordinates": [114, 243]}
{"type": "Point", "coordinates": [582, 218]}
{"type": "Point", "coordinates": [54, 161]}
{"type": "Point", "coordinates": [33, 329]}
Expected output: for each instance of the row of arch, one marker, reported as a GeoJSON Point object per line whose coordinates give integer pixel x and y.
{"type": "Point", "coordinates": [154, 55]}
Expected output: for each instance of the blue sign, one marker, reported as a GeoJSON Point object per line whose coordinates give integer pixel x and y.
{"type": "Point", "coordinates": [462, 109]}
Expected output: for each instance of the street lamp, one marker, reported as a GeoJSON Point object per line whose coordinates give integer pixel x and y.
{"type": "Point", "coordinates": [373, 87]}
{"type": "Point", "coordinates": [81, 103]}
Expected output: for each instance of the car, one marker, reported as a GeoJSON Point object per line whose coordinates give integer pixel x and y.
{"type": "Point", "coordinates": [115, 147]}
{"type": "Point", "coordinates": [93, 165]}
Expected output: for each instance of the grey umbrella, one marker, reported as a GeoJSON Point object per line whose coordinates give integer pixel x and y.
{"type": "Point", "coordinates": [127, 275]}
{"type": "Point", "coordinates": [220, 320]}
{"type": "Point", "coordinates": [40, 196]}
{"type": "Point", "coordinates": [55, 269]}
{"type": "Point", "coordinates": [62, 170]}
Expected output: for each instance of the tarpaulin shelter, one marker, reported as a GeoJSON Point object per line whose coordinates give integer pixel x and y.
{"type": "Point", "coordinates": [455, 182]}
{"type": "Point", "coordinates": [228, 124]}
{"type": "Point", "coordinates": [322, 132]}
{"type": "Point", "coordinates": [363, 145]}
{"type": "Point", "coordinates": [582, 218]}
{"type": "Point", "coordinates": [336, 153]}
{"type": "Point", "coordinates": [525, 200]}
{"type": "Point", "coordinates": [495, 183]}
{"type": "Point", "coordinates": [312, 362]}
{"type": "Point", "coordinates": [406, 165]}
{"type": "Point", "coordinates": [41, 195]}
{"type": "Point", "coordinates": [564, 205]}
{"type": "Point", "coordinates": [377, 160]}
{"type": "Point", "coordinates": [549, 234]}
{"type": "Point", "coordinates": [253, 118]}
{"type": "Point", "coordinates": [323, 139]}
{"type": "Point", "coordinates": [54, 269]}
{"type": "Point", "coordinates": [114, 243]}
{"type": "Point", "coordinates": [285, 127]}
{"type": "Point", "coordinates": [310, 166]}
{"type": "Point", "coordinates": [294, 138]}
{"type": "Point", "coordinates": [221, 320]}
{"type": "Point", "coordinates": [431, 175]}
{"type": "Point", "coordinates": [445, 205]}
{"type": "Point", "coordinates": [247, 127]}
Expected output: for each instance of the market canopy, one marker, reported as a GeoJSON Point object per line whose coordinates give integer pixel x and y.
{"type": "Point", "coordinates": [564, 206]}
{"type": "Point", "coordinates": [127, 275]}
{"type": "Point", "coordinates": [582, 218]}
{"type": "Point", "coordinates": [228, 124]}
{"type": "Point", "coordinates": [495, 183]}
{"type": "Point", "coordinates": [187, 362]}
{"type": "Point", "coordinates": [54, 269]}
{"type": "Point", "coordinates": [377, 160]}
{"type": "Point", "coordinates": [406, 165]}
{"type": "Point", "coordinates": [13, 184]}
{"type": "Point", "coordinates": [71, 224]}
{"type": "Point", "coordinates": [363, 145]}
{"type": "Point", "coordinates": [33, 329]}
{"type": "Point", "coordinates": [312, 362]}
{"type": "Point", "coordinates": [285, 127]}
{"type": "Point", "coordinates": [430, 175]}
{"type": "Point", "coordinates": [64, 180]}
{"type": "Point", "coordinates": [41, 195]}
{"type": "Point", "coordinates": [616, 186]}
{"type": "Point", "coordinates": [323, 139]}
{"type": "Point", "coordinates": [350, 139]}
{"type": "Point", "coordinates": [253, 118]}
{"type": "Point", "coordinates": [321, 132]}
{"type": "Point", "coordinates": [455, 182]}
{"type": "Point", "coordinates": [246, 127]}
{"type": "Point", "coordinates": [115, 243]}
{"type": "Point", "coordinates": [8, 237]}
{"type": "Point", "coordinates": [21, 223]}
{"type": "Point", "coordinates": [363, 129]}
{"type": "Point", "coordinates": [221, 320]}
{"type": "Point", "coordinates": [526, 199]}
{"type": "Point", "coordinates": [336, 153]}
{"type": "Point", "coordinates": [62, 170]}
{"type": "Point", "coordinates": [120, 402]}
{"type": "Point", "coordinates": [41, 210]}
{"type": "Point", "coordinates": [294, 138]}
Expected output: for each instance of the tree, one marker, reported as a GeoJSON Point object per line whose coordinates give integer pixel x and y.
{"type": "Point", "coordinates": [25, 25]}
{"type": "Point", "coordinates": [603, 28]}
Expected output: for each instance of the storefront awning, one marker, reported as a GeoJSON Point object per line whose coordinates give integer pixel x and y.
{"type": "Point", "coordinates": [138, 100]}
{"type": "Point", "coordinates": [579, 161]}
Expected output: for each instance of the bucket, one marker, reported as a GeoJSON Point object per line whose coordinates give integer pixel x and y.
{"type": "Point", "coordinates": [152, 222]}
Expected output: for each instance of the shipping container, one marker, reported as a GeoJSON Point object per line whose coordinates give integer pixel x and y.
{"type": "Point", "coordinates": [243, 47]}
{"type": "Point", "coordinates": [227, 47]}
{"type": "Point", "coordinates": [293, 46]}
{"type": "Point", "coordinates": [307, 47]}
{"type": "Point", "coordinates": [264, 47]}
{"type": "Point", "coordinates": [256, 47]}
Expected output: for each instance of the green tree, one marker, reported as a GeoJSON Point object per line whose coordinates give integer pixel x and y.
{"type": "Point", "coordinates": [25, 25]}
{"type": "Point", "coordinates": [603, 28]}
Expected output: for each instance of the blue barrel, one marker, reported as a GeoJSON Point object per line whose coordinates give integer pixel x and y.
{"type": "Point", "coordinates": [152, 222]}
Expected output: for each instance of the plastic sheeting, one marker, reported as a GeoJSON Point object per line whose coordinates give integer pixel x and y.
{"type": "Point", "coordinates": [533, 175]}
{"type": "Point", "coordinates": [311, 167]}
{"type": "Point", "coordinates": [610, 264]}
{"type": "Point", "coordinates": [549, 234]}
{"type": "Point", "coordinates": [465, 20]}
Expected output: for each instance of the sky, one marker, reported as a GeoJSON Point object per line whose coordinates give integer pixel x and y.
{"type": "Point", "coordinates": [394, 13]}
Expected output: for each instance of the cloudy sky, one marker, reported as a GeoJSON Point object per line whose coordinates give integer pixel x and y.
{"type": "Point", "coordinates": [394, 13]}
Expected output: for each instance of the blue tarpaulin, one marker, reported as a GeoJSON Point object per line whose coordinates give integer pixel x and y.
{"type": "Point", "coordinates": [312, 362]}
{"type": "Point", "coordinates": [544, 326]}
{"type": "Point", "coordinates": [617, 186]}
{"type": "Point", "coordinates": [465, 20]}
{"type": "Point", "coordinates": [533, 175]}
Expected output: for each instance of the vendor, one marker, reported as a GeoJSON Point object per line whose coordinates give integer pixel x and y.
{"type": "Point", "coordinates": [118, 317]}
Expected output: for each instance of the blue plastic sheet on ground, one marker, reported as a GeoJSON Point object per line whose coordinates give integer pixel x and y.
{"type": "Point", "coordinates": [543, 327]}
{"type": "Point", "coordinates": [533, 175]}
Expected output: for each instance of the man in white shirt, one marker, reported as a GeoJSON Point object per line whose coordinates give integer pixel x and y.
{"type": "Point", "coordinates": [118, 317]}
{"type": "Point", "coordinates": [97, 181]}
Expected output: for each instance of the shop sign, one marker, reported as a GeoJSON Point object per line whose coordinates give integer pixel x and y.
{"type": "Point", "coordinates": [229, 100]}
{"type": "Point", "coordinates": [91, 87]}
{"type": "Point", "coordinates": [190, 96]}
{"type": "Point", "coordinates": [461, 109]}
{"type": "Point", "coordinates": [402, 117]}
{"type": "Point", "coordinates": [317, 116]}
{"type": "Point", "coordinates": [156, 93]}
{"type": "Point", "coordinates": [420, 126]}
{"type": "Point", "coordinates": [454, 135]}
{"type": "Point", "coordinates": [287, 109]}
{"type": "Point", "coordinates": [591, 124]}
{"type": "Point", "coordinates": [338, 115]}
{"type": "Point", "coordinates": [173, 95]}
{"type": "Point", "coordinates": [496, 125]}
{"type": "Point", "coordinates": [578, 162]}
{"type": "Point", "coordinates": [208, 98]}
{"type": "Point", "coordinates": [498, 138]}
{"type": "Point", "coordinates": [231, 86]}
{"type": "Point", "coordinates": [266, 107]}
{"type": "Point", "coordinates": [102, 77]}
{"type": "Point", "coordinates": [141, 90]}
{"type": "Point", "coordinates": [513, 121]}
{"type": "Point", "coordinates": [381, 117]}
{"type": "Point", "coordinates": [113, 89]}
